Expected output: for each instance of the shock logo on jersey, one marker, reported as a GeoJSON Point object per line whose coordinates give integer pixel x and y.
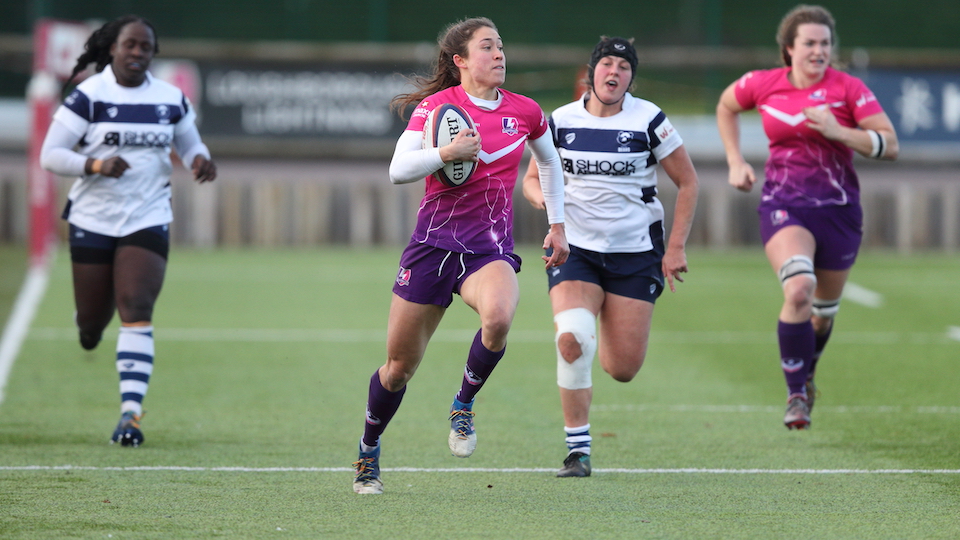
{"type": "Point", "coordinates": [142, 139]}
{"type": "Point", "coordinates": [403, 276]}
{"type": "Point", "coordinates": [511, 126]}
{"type": "Point", "coordinates": [609, 168]}
{"type": "Point", "coordinates": [570, 137]}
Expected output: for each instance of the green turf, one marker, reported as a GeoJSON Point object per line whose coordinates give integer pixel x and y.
{"type": "Point", "coordinates": [263, 359]}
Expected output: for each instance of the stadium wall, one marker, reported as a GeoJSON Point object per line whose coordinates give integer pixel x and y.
{"type": "Point", "coordinates": [310, 203]}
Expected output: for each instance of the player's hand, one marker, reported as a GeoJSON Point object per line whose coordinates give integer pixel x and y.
{"type": "Point", "coordinates": [465, 146]}
{"type": "Point", "coordinates": [556, 239]}
{"type": "Point", "coordinates": [204, 170]}
{"type": "Point", "coordinates": [742, 176]}
{"type": "Point", "coordinates": [822, 120]}
{"type": "Point", "coordinates": [114, 167]}
{"type": "Point", "coordinates": [674, 263]}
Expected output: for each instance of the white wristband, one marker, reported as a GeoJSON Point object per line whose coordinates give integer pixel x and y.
{"type": "Point", "coordinates": [879, 144]}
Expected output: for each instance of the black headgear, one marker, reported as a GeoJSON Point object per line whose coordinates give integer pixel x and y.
{"type": "Point", "coordinates": [615, 46]}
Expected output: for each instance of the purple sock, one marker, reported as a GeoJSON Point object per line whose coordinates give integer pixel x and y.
{"type": "Point", "coordinates": [480, 364]}
{"type": "Point", "coordinates": [796, 354]}
{"type": "Point", "coordinates": [821, 343]}
{"type": "Point", "coordinates": [381, 406]}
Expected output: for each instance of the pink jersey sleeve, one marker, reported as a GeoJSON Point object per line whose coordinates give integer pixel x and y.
{"type": "Point", "coordinates": [864, 102]}
{"type": "Point", "coordinates": [745, 90]}
{"type": "Point", "coordinates": [419, 116]}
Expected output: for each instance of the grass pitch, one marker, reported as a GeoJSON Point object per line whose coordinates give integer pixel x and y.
{"type": "Point", "coordinates": [262, 365]}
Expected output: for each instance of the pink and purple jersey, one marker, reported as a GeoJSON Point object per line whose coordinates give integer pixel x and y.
{"type": "Point", "coordinates": [477, 217]}
{"type": "Point", "coordinates": [805, 168]}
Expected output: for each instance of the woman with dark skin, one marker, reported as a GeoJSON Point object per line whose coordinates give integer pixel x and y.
{"type": "Point", "coordinates": [114, 132]}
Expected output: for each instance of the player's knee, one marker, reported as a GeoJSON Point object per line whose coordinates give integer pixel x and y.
{"type": "Point", "coordinates": [396, 376]}
{"type": "Point", "coordinates": [576, 331]}
{"type": "Point", "coordinates": [826, 310]}
{"type": "Point", "coordinates": [624, 371]}
{"type": "Point", "coordinates": [798, 280]}
{"type": "Point", "coordinates": [568, 347]}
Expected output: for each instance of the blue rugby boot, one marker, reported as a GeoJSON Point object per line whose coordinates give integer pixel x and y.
{"type": "Point", "coordinates": [367, 481]}
{"type": "Point", "coordinates": [463, 438]}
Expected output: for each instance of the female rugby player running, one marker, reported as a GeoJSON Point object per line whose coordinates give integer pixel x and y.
{"type": "Point", "coordinates": [811, 222]}
{"type": "Point", "coordinates": [115, 132]}
{"type": "Point", "coordinates": [612, 142]}
{"type": "Point", "coordinates": [463, 241]}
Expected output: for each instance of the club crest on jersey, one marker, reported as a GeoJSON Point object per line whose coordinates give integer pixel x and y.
{"type": "Point", "coordinates": [112, 112]}
{"type": "Point", "coordinates": [779, 217]}
{"type": "Point", "coordinates": [163, 114]}
{"type": "Point", "coordinates": [511, 126]}
{"type": "Point", "coordinates": [819, 95]}
{"type": "Point", "coordinates": [403, 277]}
{"type": "Point", "coordinates": [624, 137]}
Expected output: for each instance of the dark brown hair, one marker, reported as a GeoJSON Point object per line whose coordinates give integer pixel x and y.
{"type": "Point", "coordinates": [452, 41]}
{"type": "Point", "coordinates": [803, 14]}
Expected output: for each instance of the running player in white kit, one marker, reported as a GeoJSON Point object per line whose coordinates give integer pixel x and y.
{"type": "Point", "coordinates": [114, 132]}
{"type": "Point", "coordinates": [610, 143]}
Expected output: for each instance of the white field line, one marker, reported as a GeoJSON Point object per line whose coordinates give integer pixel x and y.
{"type": "Point", "coordinates": [860, 295]}
{"type": "Point", "coordinates": [307, 335]}
{"type": "Point", "coordinates": [25, 307]}
{"type": "Point", "coordinates": [768, 409]}
{"type": "Point", "coordinates": [472, 470]}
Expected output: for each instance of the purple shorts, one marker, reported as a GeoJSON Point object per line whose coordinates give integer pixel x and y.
{"type": "Point", "coordinates": [838, 230]}
{"type": "Point", "coordinates": [430, 275]}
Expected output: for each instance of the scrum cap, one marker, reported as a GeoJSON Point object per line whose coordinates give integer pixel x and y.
{"type": "Point", "coordinates": [615, 46]}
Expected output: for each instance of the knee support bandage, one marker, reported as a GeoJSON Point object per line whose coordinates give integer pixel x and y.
{"type": "Point", "coordinates": [582, 325]}
{"type": "Point", "coordinates": [826, 309]}
{"type": "Point", "coordinates": [798, 265]}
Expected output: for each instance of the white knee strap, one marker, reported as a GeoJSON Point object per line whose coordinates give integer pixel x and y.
{"type": "Point", "coordinates": [826, 309]}
{"type": "Point", "coordinates": [798, 265]}
{"type": "Point", "coordinates": [582, 324]}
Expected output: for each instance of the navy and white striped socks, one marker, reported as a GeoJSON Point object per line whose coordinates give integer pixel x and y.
{"type": "Point", "coordinates": [134, 364]}
{"type": "Point", "coordinates": [578, 439]}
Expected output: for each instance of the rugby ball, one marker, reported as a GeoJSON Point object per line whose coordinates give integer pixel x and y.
{"type": "Point", "coordinates": [442, 125]}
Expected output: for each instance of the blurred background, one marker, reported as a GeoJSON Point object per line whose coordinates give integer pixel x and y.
{"type": "Point", "coordinates": [293, 97]}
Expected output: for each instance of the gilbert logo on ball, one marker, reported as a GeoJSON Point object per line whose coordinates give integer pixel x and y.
{"type": "Point", "coordinates": [442, 125]}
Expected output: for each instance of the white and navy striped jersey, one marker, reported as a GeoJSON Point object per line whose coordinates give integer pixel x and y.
{"type": "Point", "coordinates": [139, 124]}
{"type": "Point", "coordinates": [610, 168]}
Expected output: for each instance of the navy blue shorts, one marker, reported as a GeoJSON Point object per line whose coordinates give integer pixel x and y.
{"type": "Point", "coordinates": [430, 275]}
{"type": "Point", "coordinates": [92, 248]}
{"type": "Point", "coordinates": [837, 230]}
{"type": "Point", "coordinates": [634, 275]}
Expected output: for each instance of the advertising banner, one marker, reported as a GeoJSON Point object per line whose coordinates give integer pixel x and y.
{"type": "Point", "coordinates": [923, 105]}
{"type": "Point", "coordinates": [302, 101]}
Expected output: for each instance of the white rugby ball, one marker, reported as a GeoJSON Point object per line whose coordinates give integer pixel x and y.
{"type": "Point", "coordinates": [442, 125]}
